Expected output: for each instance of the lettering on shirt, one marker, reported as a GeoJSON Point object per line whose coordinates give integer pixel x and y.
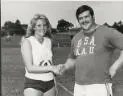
{"type": "Point", "coordinates": [85, 46]}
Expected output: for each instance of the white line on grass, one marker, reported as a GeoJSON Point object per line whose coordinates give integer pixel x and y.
{"type": "Point", "coordinates": [65, 88]}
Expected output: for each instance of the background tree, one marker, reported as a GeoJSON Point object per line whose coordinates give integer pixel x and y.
{"type": "Point", "coordinates": [106, 24]}
{"type": "Point", "coordinates": [3, 31]}
{"type": "Point", "coordinates": [64, 25]}
{"type": "Point", "coordinates": [8, 28]}
{"type": "Point", "coordinates": [118, 26]}
{"type": "Point", "coordinates": [11, 28]}
{"type": "Point", "coordinates": [18, 28]}
{"type": "Point", "coordinates": [54, 31]}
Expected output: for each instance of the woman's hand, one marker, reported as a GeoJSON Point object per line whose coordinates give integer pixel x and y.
{"type": "Point", "coordinates": [58, 69]}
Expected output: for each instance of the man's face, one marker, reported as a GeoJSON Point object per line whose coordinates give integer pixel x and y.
{"type": "Point", "coordinates": [86, 20]}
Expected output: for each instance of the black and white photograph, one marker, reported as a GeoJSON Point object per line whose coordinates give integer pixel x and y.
{"type": "Point", "coordinates": [61, 48]}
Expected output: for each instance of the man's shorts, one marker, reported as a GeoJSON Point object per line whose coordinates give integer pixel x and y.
{"type": "Point", "coordinates": [43, 86]}
{"type": "Point", "coordinates": [93, 90]}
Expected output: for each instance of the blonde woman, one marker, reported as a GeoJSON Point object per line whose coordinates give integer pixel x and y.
{"type": "Point", "coordinates": [36, 50]}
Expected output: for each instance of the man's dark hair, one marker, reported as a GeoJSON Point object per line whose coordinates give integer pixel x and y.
{"type": "Point", "coordinates": [83, 8]}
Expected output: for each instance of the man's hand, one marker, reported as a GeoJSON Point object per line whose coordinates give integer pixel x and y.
{"type": "Point", "coordinates": [117, 64]}
{"type": "Point", "coordinates": [62, 69]}
{"type": "Point", "coordinates": [58, 69]}
{"type": "Point", "coordinates": [112, 71]}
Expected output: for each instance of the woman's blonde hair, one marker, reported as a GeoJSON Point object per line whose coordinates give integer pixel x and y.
{"type": "Point", "coordinates": [30, 28]}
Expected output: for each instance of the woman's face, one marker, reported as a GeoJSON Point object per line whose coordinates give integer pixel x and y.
{"type": "Point", "coordinates": [40, 27]}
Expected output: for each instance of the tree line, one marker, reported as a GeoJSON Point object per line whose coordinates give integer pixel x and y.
{"type": "Point", "coordinates": [117, 25]}
{"type": "Point", "coordinates": [16, 28]}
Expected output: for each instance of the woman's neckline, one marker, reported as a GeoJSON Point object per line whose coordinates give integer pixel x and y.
{"type": "Point", "coordinates": [40, 42]}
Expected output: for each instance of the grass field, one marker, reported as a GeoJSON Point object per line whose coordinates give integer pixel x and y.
{"type": "Point", "coordinates": [13, 69]}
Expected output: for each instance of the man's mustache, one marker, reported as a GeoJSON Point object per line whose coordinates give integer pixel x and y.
{"type": "Point", "coordinates": [86, 22]}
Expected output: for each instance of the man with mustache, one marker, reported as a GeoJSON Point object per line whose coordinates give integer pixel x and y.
{"type": "Point", "coordinates": [91, 51]}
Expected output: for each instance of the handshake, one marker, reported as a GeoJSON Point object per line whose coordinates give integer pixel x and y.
{"type": "Point", "coordinates": [58, 69]}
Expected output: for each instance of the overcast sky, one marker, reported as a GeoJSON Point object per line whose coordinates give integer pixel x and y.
{"type": "Point", "coordinates": [109, 12]}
